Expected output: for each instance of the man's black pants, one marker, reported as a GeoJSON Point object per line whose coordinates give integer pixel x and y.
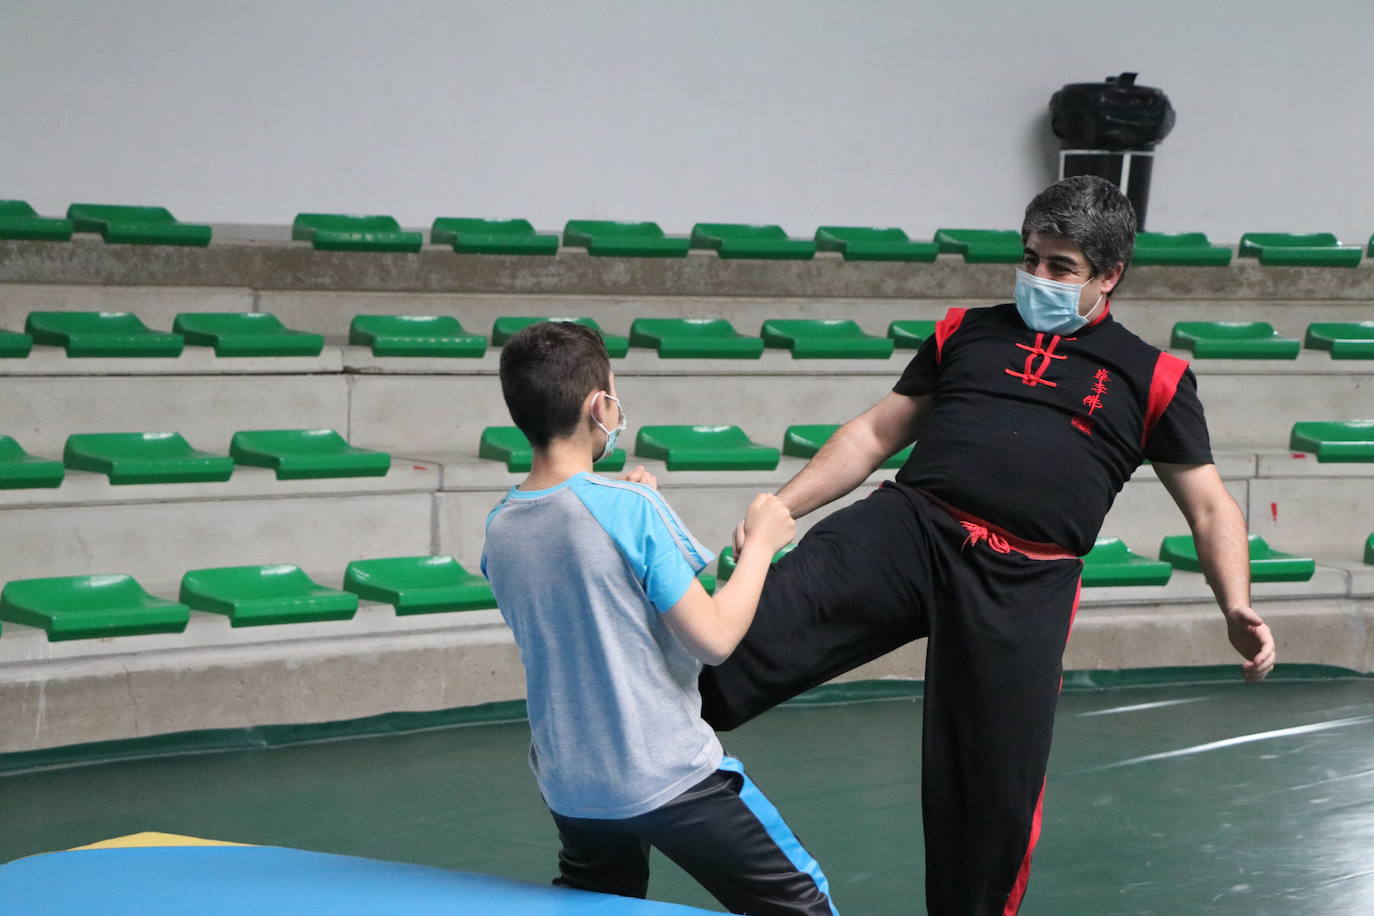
{"type": "Point", "coordinates": [996, 612]}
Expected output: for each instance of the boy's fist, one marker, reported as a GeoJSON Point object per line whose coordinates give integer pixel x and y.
{"type": "Point", "coordinates": [768, 522]}
{"type": "Point", "coordinates": [642, 476]}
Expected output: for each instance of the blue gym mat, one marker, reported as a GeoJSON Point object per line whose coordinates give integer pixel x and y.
{"type": "Point", "coordinates": [214, 880]}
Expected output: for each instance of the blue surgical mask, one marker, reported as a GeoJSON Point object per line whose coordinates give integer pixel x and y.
{"type": "Point", "coordinates": [1049, 305]}
{"type": "Point", "coordinates": [612, 434]}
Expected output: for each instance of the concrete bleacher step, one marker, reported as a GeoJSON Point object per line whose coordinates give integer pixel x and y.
{"type": "Point", "coordinates": [41, 411]}
{"type": "Point", "coordinates": [158, 541]}
{"type": "Point", "coordinates": [288, 265]}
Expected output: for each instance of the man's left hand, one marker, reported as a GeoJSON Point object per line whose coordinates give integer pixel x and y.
{"type": "Point", "coordinates": [1251, 637]}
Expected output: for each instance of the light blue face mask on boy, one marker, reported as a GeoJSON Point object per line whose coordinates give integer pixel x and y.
{"type": "Point", "coordinates": [1049, 305]}
{"type": "Point", "coordinates": [612, 434]}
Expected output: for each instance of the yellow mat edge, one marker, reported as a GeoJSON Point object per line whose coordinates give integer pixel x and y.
{"type": "Point", "coordinates": [154, 838]}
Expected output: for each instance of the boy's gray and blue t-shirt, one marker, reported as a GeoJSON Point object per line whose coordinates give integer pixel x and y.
{"type": "Point", "coordinates": [582, 573]}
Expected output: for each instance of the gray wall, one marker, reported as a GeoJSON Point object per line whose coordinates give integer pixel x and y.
{"type": "Point", "coordinates": [867, 111]}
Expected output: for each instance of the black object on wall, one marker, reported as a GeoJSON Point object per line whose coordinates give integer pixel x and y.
{"type": "Point", "coordinates": [1110, 130]}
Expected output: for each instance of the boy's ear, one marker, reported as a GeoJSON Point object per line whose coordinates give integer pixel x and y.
{"type": "Point", "coordinates": [592, 404]}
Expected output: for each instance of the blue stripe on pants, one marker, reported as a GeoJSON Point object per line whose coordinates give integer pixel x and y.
{"type": "Point", "coordinates": [777, 828]}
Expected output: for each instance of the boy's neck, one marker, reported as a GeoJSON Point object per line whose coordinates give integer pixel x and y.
{"type": "Point", "coordinates": [561, 460]}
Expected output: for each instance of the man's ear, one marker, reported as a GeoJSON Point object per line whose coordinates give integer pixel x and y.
{"type": "Point", "coordinates": [1112, 277]}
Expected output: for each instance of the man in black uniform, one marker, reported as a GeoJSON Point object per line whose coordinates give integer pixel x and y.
{"type": "Point", "coordinates": [1030, 418]}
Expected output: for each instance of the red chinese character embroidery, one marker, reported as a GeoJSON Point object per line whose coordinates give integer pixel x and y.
{"type": "Point", "coordinates": [1094, 400]}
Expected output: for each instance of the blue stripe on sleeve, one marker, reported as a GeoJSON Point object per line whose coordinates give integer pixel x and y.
{"type": "Point", "coordinates": [662, 553]}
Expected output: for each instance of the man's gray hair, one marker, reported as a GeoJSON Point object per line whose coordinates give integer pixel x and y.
{"type": "Point", "coordinates": [1092, 213]}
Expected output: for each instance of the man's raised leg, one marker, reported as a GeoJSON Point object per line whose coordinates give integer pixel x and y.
{"type": "Point", "coordinates": [853, 589]}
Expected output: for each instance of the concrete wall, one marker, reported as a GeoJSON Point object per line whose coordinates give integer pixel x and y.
{"type": "Point", "coordinates": [799, 111]}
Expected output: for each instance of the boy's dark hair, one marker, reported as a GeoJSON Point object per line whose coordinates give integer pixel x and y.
{"type": "Point", "coordinates": [1092, 213]}
{"type": "Point", "coordinates": [547, 369]}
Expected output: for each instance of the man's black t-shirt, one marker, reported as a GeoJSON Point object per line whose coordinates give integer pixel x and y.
{"type": "Point", "coordinates": [1036, 433]}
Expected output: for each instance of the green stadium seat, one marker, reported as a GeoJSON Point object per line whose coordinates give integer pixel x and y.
{"type": "Point", "coordinates": [508, 444]}
{"type": "Point", "coordinates": [508, 326]}
{"type": "Point", "coordinates": [19, 221]}
{"type": "Point", "coordinates": [1111, 562]}
{"type": "Point", "coordinates": [1233, 340]}
{"type": "Point", "coordinates": [741, 240]}
{"type": "Point", "coordinates": [824, 338]}
{"type": "Point", "coordinates": [1345, 339]}
{"type": "Point", "coordinates": [21, 471]}
{"type": "Point", "coordinates": [129, 458]}
{"type": "Point", "coordinates": [1266, 563]}
{"type": "Point", "coordinates": [910, 334]}
{"type": "Point", "coordinates": [1369, 550]}
{"type": "Point", "coordinates": [694, 338]}
{"type": "Point", "coordinates": [340, 232]}
{"type": "Point", "coordinates": [491, 236]}
{"type": "Point", "coordinates": [725, 561]}
{"type": "Point", "coordinates": [1345, 440]}
{"type": "Point", "coordinates": [861, 243]}
{"type": "Point", "coordinates": [609, 238]}
{"type": "Point", "coordinates": [419, 585]}
{"type": "Point", "coordinates": [90, 607]}
{"type": "Point", "coordinates": [1183, 249]}
{"type": "Point", "coordinates": [982, 246]}
{"type": "Point", "coordinates": [704, 448]}
{"type": "Point", "coordinates": [93, 334]}
{"type": "Point", "coordinates": [415, 335]}
{"type": "Point", "coordinates": [299, 454]}
{"type": "Point", "coordinates": [14, 345]}
{"type": "Point", "coordinates": [245, 334]}
{"type": "Point", "coordinates": [1282, 249]}
{"type": "Point", "coordinates": [804, 441]}
{"type": "Point", "coordinates": [125, 225]}
{"type": "Point", "coordinates": [253, 596]}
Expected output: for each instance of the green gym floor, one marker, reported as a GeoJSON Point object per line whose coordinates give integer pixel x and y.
{"type": "Point", "coordinates": [1165, 796]}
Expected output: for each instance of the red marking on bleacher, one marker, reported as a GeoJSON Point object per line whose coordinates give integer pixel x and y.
{"type": "Point", "coordinates": [418, 467]}
{"type": "Point", "coordinates": [1299, 454]}
{"type": "Point", "coordinates": [1274, 511]}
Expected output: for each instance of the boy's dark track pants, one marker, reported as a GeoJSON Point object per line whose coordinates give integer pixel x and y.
{"type": "Point", "coordinates": [996, 612]}
{"type": "Point", "coordinates": [723, 832]}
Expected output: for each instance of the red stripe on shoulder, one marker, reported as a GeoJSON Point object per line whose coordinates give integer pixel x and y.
{"type": "Point", "coordinates": [945, 327]}
{"type": "Point", "coordinates": [1169, 370]}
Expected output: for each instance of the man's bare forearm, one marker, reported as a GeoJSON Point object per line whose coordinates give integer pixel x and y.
{"type": "Point", "coordinates": [844, 462]}
{"type": "Point", "coordinates": [1224, 552]}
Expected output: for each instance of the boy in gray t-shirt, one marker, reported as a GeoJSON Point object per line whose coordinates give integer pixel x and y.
{"type": "Point", "coordinates": [597, 579]}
